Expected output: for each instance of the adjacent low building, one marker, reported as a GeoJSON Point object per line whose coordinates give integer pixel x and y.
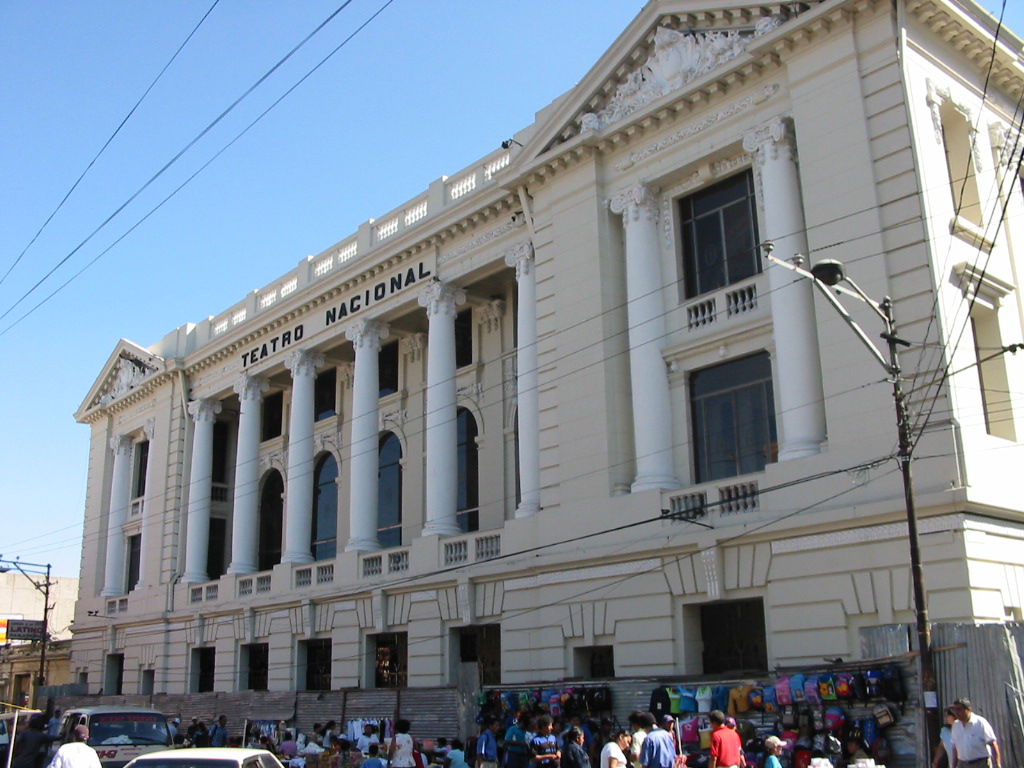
{"type": "Point", "coordinates": [558, 416]}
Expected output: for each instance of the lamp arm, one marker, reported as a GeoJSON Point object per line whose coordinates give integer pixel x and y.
{"type": "Point", "coordinates": [858, 292]}
{"type": "Point", "coordinates": [824, 289]}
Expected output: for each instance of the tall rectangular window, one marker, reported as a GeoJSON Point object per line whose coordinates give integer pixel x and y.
{"type": "Point", "coordinates": [719, 233]}
{"type": "Point", "coordinates": [733, 418]}
{"type": "Point", "coordinates": [325, 394]}
{"type": "Point", "coordinates": [315, 655]}
{"type": "Point", "coordinates": [957, 142]}
{"type": "Point", "coordinates": [733, 636]}
{"type": "Point", "coordinates": [993, 381]}
{"type": "Point", "coordinates": [221, 435]}
{"type": "Point", "coordinates": [203, 667]}
{"type": "Point", "coordinates": [134, 561]}
{"type": "Point", "coordinates": [141, 464]}
{"type": "Point", "coordinates": [255, 666]}
{"type": "Point", "coordinates": [391, 658]}
{"type": "Point", "coordinates": [464, 338]}
{"type": "Point", "coordinates": [273, 416]}
{"type": "Point", "coordinates": [387, 362]}
{"type": "Point", "coordinates": [113, 674]}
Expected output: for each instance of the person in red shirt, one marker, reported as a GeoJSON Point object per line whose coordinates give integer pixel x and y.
{"type": "Point", "coordinates": [726, 747]}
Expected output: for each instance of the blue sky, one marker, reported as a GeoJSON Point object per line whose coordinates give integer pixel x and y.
{"type": "Point", "coordinates": [427, 88]}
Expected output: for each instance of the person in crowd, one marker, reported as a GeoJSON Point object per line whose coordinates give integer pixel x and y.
{"type": "Point", "coordinates": [219, 732]}
{"type": "Point", "coordinates": [613, 754]}
{"type": "Point", "coordinates": [76, 753]}
{"type": "Point", "coordinates": [202, 735]}
{"type": "Point", "coordinates": [773, 746]}
{"type": "Point", "coordinates": [544, 746]}
{"type": "Point", "coordinates": [31, 743]}
{"type": "Point", "coordinates": [400, 751]}
{"type": "Point", "coordinates": [974, 741]}
{"type": "Point", "coordinates": [575, 721]}
{"type": "Point", "coordinates": [289, 747]}
{"type": "Point", "coordinates": [456, 757]}
{"type": "Point", "coordinates": [668, 723]}
{"type": "Point", "coordinates": [517, 746]}
{"type": "Point", "coordinates": [726, 749]}
{"type": "Point", "coordinates": [53, 724]}
{"type": "Point", "coordinates": [369, 737]}
{"type": "Point", "coordinates": [659, 750]}
{"type": "Point", "coordinates": [330, 731]}
{"type": "Point", "coordinates": [637, 736]}
{"type": "Point", "coordinates": [943, 754]}
{"type": "Point", "coordinates": [487, 744]}
{"type": "Point", "coordinates": [193, 727]}
{"type": "Point", "coordinates": [173, 726]}
{"type": "Point", "coordinates": [574, 755]}
{"type": "Point", "coordinates": [374, 761]}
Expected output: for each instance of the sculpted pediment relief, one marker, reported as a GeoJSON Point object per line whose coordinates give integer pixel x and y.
{"type": "Point", "coordinates": [129, 372]}
{"type": "Point", "coordinates": [678, 58]}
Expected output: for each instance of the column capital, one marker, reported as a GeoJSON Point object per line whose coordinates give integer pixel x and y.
{"type": "Point", "coordinates": [635, 203]}
{"type": "Point", "coordinates": [521, 258]}
{"type": "Point", "coordinates": [250, 387]}
{"type": "Point", "coordinates": [441, 298]}
{"type": "Point", "coordinates": [771, 140]}
{"type": "Point", "coordinates": [121, 444]}
{"type": "Point", "coordinates": [367, 333]}
{"type": "Point", "coordinates": [303, 362]}
{"type": "Point", "coordinates": [204, 409]}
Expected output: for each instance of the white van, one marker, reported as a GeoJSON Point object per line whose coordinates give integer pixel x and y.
{"type": "Point", "coordinates": [118, 734]}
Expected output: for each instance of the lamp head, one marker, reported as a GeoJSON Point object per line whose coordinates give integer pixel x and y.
{"type": "Point", "coordinates": [829, 271]}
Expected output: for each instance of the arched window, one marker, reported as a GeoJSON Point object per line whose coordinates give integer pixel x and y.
{"type": "Point", "coordinates": [324, 541]}
{"type": "Point", "coordinates": [271, 521]}
{"type": "Point", "coordinates": [469, 473]}
{"type": "Point", "coordinates": [389, 491]}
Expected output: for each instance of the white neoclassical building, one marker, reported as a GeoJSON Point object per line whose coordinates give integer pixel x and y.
{"type": "Point", "coordinates": [559, 416]}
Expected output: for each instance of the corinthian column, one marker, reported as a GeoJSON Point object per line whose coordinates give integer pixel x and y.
{"type": "Point", "coordinates": [298, 515]}
{"type": "Point", "coordinates": [245, 522]}
{"type": "Point", "coordinates": [120, 498]}
{"type": "Point", "coordinates": [365, 336]}
{"type": "Point", "coordinates": [527, 400]}
{"type": "Point", "coordinates": [797, 364]}
{"type": "Point", "coordinates": [440, 300]}
{"type": "Point", "coordinates": [204, 414]}
{"type": "Point", "coordinates": [652, 408]}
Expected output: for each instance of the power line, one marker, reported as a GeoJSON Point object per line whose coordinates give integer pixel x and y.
{"type": "Point", "coordinates": [110, 138]}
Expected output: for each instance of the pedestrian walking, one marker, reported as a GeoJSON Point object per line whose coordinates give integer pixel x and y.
{"type": "Point", "coordinates": [974, 741]}
{"type": "Point", "coordinates": [726, 748]}
{"type": "Point", "coordinates": [219, 732]}
{"type": "Point", "coordinates": [76, 753]}
{"type": "Point", "coordinates": [31, 744]}
{"type": "Point", "coordinates": [573, 753]}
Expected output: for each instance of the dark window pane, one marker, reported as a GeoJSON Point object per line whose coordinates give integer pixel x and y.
{"type": "Point", "coordinates": [733, 418]}
{"type": "Point", "coordinates": [324, 394]}
{"type": "Point", "coordinates": [215, 552]}
{"type": "Point", "coordinates": [325, 509]}
{"type": "Point", "coordinates": [389, 491]}
{"type": "Point", "coordinates": [204, 660]}
{"type": "Point", "coordinates": [220, 452]}
{"type": "Point", "coordinates": [273, 415]}
{"type": "Point", "coordinates": [134, 560]}
{"type": "Point", "coordinates": [141, 465]}
{"type": "Point", "coordinates": [271, 521]}
{"type": "Point", "coordinates": [257, 665]}
{"type": "Point", "coordinates": [719, 235]}
{"type": "Point", "coordinates": [464, 338]}
{"type": "Point", "coordinates": [318, 664]}
{"type": "Point", "coordinates": [734, 637]}
{"type": "Point", "coordinates": [387, 360]}
{"type": "Point", "coordinates": [469, 474]}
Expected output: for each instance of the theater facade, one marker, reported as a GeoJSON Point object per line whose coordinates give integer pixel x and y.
{"type": "Point", "coordinates": [558, 416]}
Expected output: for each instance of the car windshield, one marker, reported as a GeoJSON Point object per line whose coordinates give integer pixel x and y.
{"type": "Point", "coordinates": [128, 728]}
{"type": "Point", "coordinates": [185, 761]}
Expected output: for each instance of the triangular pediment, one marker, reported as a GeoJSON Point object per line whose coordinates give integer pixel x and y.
{"type": "Point", "coordinates": [128, 367]}
{"type": "Point", "coordinates": [667, 46]}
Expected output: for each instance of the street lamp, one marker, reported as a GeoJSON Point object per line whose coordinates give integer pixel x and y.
{"type": "Point", "coordinates": [30, 571]}
{"type": "Point", "coordinates": [829, 275]}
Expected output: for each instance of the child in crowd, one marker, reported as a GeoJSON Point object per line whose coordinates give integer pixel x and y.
{"type": "Point", "coordinates": [373, 761]}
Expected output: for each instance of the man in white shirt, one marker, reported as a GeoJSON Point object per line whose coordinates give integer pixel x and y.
{"type": "Point", "coordinates": [973, 738]}
{"type": "Point", "coordinates": [76, 754]}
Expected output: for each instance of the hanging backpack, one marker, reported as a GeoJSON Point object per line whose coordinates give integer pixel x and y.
{"type": "Point", "coordinates": [811, 695]}
{"type": "Point", "coordinates": [796, 687]}
{"type": "Point", "coordinates": [860, 686]}
{"type": "Point", "coordinates": [783, 691]}
{"type": "Point", "coordinates": [756, 699]}
{"type": "Point", "coordinates": [787, 716]}
{"type": "Point", "coordinates": [827, 687]}
{"type": "Point", "coordinates": [835, 719]}
{"type": "Point", "coordinates": [869, 729]}
{"type": "Point", "coordinates": [884, 714]}
{"type": "Point", "coordinates": [873, 683]}
{"type": "Point", "coordinates": [892, 684]}
{"type": "Point", "coordinates": [768, 699]}
{"type": "Point", "coordinates": [844, 686]}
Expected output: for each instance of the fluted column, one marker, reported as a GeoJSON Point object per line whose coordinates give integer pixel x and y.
{"type": "Point", "coordinates": [652, 407]}
{"type": "Point", "coordinates": [365, 336]}
{"type": "Point", "coordinates": [150, 528]}
{"type": "Point", "coordinates": [440, 300]}
{"type": "Point", "coordinates": [245, 515]}
{"type": "Point", "coordinates": [120, 493]}
{"type": "Point", "coordinates": [797, 363]}
{"type": "Point", "coordinates": [528, 403]}
{"type": "Point", "coordinates": [298, 523]}
{"type": "Point", "coordinates": [204, 414]}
